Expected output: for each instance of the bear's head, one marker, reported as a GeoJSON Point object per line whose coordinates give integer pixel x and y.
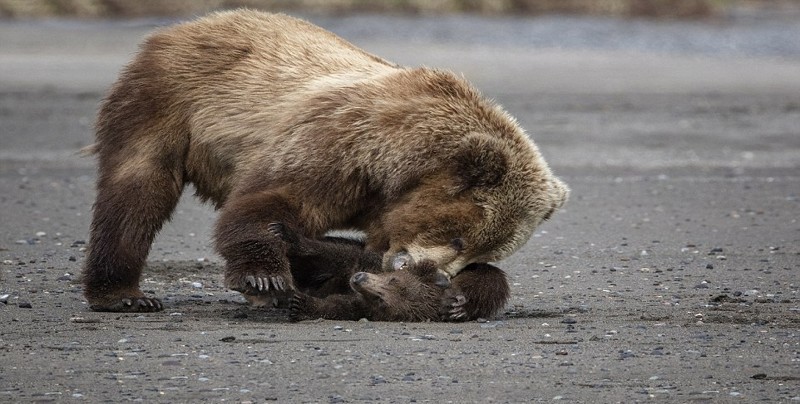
{"type": "Point", "coordinates": [411, 294]}
{"type": "Point", "coordinates": [480, 206]}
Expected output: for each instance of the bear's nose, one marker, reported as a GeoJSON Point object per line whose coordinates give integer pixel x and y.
{"type": "Point", "coordinates": [359, 277]}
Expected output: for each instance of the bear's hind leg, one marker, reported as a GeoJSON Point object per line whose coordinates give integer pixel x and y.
{"type": "Point", "coordinates": [132, 204]}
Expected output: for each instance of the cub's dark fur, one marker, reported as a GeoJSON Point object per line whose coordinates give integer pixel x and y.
{"type": "Point", "coordinates": [343, 281]}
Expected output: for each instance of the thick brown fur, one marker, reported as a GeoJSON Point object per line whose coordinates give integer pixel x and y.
{"type": "Point", "coordinates": [338, 279]}
{"type": "Point", "coordinates": [274, 119]}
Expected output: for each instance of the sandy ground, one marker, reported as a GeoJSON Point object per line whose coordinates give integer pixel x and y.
{"type": "Point", "coordinates": [672, 274]}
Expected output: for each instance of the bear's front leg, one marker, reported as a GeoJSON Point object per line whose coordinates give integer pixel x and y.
{"type": "Point", "coordinates": [256, 262]}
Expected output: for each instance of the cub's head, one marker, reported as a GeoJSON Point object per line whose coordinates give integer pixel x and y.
{"type": "Point", "coordinates": [481, 206]}
{"type": "Point", "coordinates": [409, 294]}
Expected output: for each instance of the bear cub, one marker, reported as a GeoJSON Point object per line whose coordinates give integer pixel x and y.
{"type": "Point", "coordinates": [338, 279]}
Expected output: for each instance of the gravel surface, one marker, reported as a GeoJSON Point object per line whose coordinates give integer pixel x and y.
{"type": "Point", "coordinates": [671, 274]}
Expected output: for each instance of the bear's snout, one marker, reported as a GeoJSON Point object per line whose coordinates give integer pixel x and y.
{"type": "Point", "coordinates": [402, 260]}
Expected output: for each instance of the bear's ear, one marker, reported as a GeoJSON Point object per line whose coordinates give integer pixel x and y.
{"type": "Point", "coordinates": [480, 162]}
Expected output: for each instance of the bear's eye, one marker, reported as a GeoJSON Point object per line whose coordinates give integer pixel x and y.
{"type": "Point", "coordinates": [457, 244]}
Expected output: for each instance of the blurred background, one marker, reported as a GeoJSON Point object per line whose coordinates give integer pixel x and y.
{"type": "Point", "coordinates": [628, 8]}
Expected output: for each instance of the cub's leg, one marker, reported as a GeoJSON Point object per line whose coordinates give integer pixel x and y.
{"type": "Point", "coordinates": [136, 194]}
{"type": "Point", "coordinates": [334, 307]}
{"type": "Point", "coordinates": [478, 291]}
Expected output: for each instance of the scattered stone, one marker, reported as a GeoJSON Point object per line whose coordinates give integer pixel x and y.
{"type": "Point", "coordinates": [228, 339]}
{"type": "Point", "coordinates": [4, 298]}
{"type": "Point", "coordinates": [759, 376]}
{"type": "Point", "coordinates": [82, 320]}
{"type": "Point", "coordinates": [569, 320]}
{"type": "Point", "coordinates": [377, 379]}
{"type": "Point", "coordinates": [709, 266]}
{"type": "Point", "coordinates": [24, 305]}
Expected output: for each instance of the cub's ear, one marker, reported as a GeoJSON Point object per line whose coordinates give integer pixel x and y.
{"type": "Point", "coordinates": [480, 162]}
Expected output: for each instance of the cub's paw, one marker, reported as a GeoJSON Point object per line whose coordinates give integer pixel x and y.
{"type": "Point", "coordinates": [453, 308]}
{"type": "Point", "coordinates": [277, 229]}
{"type": "Point", "coordinates": [296, 245]}
{"type": "Point", "coordinates": [135, 304]}
{"type": "Point", "coordinates": [283, 232]}
{"type": "Point", "coordinates": [300, 307]}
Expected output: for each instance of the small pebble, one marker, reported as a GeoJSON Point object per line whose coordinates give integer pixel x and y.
{"type": "Point", "coordinates": [197, 285]}
{"type": "Point", "coordinates": [81, 320]}
{"type": "Point", "coordinates": [377, 380]}
{"type": "Point", "coordinates": [24, 305]}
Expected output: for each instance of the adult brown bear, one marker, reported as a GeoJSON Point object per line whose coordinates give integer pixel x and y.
{"type": "Point", "coordinates": [274, 119]}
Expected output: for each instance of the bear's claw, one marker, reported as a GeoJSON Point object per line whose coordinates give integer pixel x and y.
{"type": "Point", "coordinates": [132, 305]}
{"type": "Point", "coordinates": [277, 229]}
{"type": "Point", "coordinates": [298, 307]}
{"type": "Point", "coordinates": [262, 284]}
{"type": "Point", "coordinates": [457, 311]}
